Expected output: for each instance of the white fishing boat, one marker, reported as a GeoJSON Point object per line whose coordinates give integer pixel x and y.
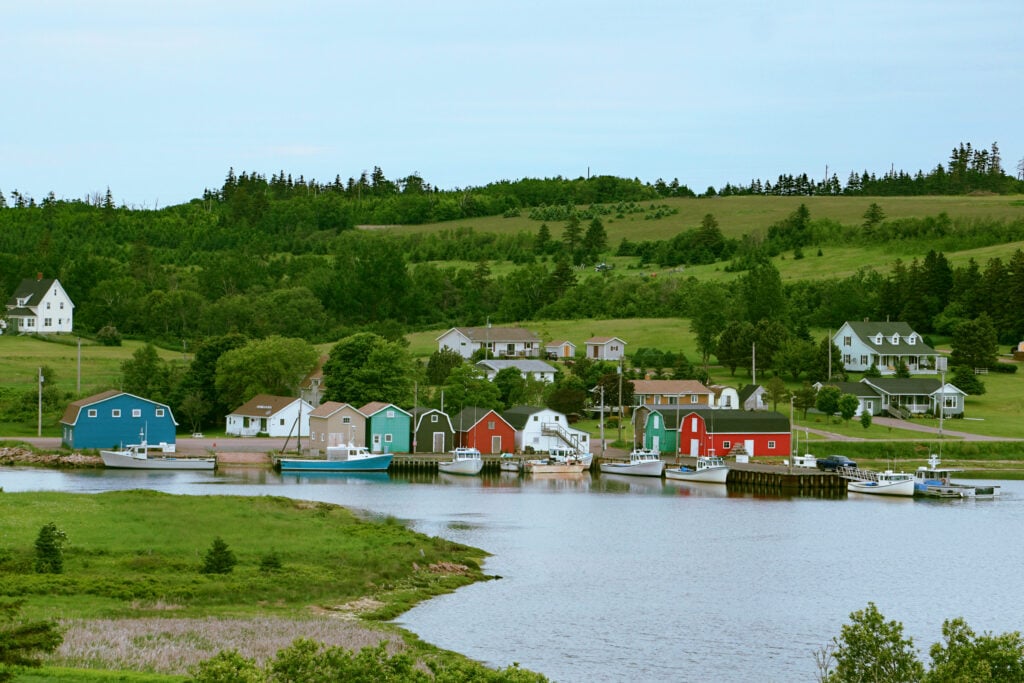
{"type": "Point", "coordinates": [347, 458]}
{"type": "Point", "coordinates": [887, 483]}
{"type": "Point", "coordinates": [552, 466]}
{"type": "Point", "coordinates": [510, 462]}
{"type": "Point", "coordinates": [571, 454]}
{"type": "Point", "coordinates": [935, 481]}
{"type": "Point", "coordinates": [464, 461]}
{"type": "Point", "coordinates": [642, 462]}
{"type": "Point", "coordinates": [709, 468]}
{"type": "Point", "coordinates": [139, 457]}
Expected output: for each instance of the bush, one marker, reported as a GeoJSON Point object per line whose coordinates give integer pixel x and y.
{"type": "Point", "coordinates": [109, 336]}
{"type": "Point", "coordinates": [1004, 367]}
{"type": "Point", "coordinates": [271, 562]}
{"type": "Point", "coordinates": [50, 550]}
{"type": "Point", "coordinates": [219, 558]}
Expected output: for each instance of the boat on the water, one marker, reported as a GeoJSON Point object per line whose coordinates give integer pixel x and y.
{"type": "Point", "coordinates": [552, 466]}
{"type": "Point", "coordinates": [464, 461]}
{"type": "Point", "coordinates": [347, 458]}
{"type": "Point", "coordinates": [887, 483]}
{"type": "Point", "coordinates": [935, 481]}
{"type": "Point", "coordinates": [709, 468]}
{"type": "Point", "coordinates": [509, 462]}
{"type": "Point", "coordinates": [139, 457]}
{"type": "Point", "coordinates": [564, 454]}
{"type": "Point", "coordinates": [642, 462]}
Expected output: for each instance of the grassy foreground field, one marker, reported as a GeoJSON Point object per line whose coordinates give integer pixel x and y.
{"type": "Point", "coordinates": [132, 595]}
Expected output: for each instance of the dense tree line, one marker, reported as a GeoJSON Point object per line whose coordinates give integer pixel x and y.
{"type": "Point", "coordinates": [968, 170]}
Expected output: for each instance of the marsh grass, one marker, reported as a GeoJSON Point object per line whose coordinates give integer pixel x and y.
{"type": "Point", "coordinates": [173, 645]}
{"type": "Point", "coordinates": [138, 554]}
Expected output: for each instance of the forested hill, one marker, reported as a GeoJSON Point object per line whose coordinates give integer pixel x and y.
{"type": "Point", "coordinates": [282, 256]}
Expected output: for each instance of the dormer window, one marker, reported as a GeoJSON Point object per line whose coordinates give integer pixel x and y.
{"type": "Point", "coordinates": [878, 338]}
{"type": "Point", "coordinates": [912, 339]}
{"type": "Point", "coordinates": [895, 339]}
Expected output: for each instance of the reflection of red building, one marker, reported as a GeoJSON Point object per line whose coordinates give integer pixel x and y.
{"type": "Point", "coordinates": [704, 432]}
{"type": "Point", "coordinates": [485, 431]}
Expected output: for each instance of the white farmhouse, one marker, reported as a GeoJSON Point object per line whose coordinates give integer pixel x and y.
{"type": "Point", "coordinates": [500, 342]}
{"type": "Point", "coordinates": [263, 414]}
{"type": "Point", "coordinates": [40, 306]}
{"type": "Point", "coordinates": [883, 345]}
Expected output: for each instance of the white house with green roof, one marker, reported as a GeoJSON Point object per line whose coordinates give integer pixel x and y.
{"type": "Point", "coordinates": [40, 306]}
{"type": "Point", "coordinates": [884, 345]}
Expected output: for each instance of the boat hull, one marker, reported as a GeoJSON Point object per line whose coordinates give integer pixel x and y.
{"type": "Point", "coordinates": [883, 488]}
{"type": "Point", "coordinates": [461, 466]}
{"type": "Point", "coordinates": [711, 475]}
{"type": "Point", "coordinates": [554, 468]}
{"type": "Point", "coordinates": [377, 463]}
{"type": "Point", "coordinates": [650, 468]}
{"type": "Point", "coordinates": [123, 461]}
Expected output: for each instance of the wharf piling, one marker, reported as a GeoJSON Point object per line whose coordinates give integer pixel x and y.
{"type": "Point", "coordinates": [427, 462]}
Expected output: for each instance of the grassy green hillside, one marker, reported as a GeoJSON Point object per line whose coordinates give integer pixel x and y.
{"type": "Point", "coordinates": [745, 215]}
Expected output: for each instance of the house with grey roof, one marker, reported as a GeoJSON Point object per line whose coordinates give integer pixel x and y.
{"type": "Point", "coordinates": [917, 396]}
{"type": "Point", "coordinates": [605, 348]}
{"type": "Point", "coordinates": [500, 342]}
{"type": "Point", "coordinates": [884, 345]}
{"type": "Point", "coordinates": [40, 306]}
{"type": "Point", "coordinates": [868, 398]}
{"type": "Point", "coordinates": [528, 369]}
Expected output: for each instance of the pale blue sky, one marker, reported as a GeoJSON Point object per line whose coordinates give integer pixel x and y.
{"type": "Point", "coordinates": [158, 99]}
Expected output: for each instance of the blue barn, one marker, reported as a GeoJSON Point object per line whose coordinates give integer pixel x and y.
{"type": "Point", "coordinates": [112, 419]}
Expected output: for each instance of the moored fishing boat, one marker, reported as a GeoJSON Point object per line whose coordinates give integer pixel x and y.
{"type": "Point", "coordinates": [935, 481]}
{"type": "Point", "coordinates": [551, 466]}
{"type": "Point", "coordinates": [347, 458]}
{"type": "Point", "coordinates": [642, 462]}
{"type": "Point", "coordinates": [887, 483]}
{"type": "Point", "coordinates": [464, 461]}
{"type": "Point", "coordinates": [710, 468]}
{"type": "Point", "coordinates": [138, 457]}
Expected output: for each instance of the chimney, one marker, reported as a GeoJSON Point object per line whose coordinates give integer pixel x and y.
{"type": "Point", "coordinates": [39, 276]}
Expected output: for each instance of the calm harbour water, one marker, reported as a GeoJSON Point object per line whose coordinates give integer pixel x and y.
{"type": "Point", "coordinates": [615, 578]}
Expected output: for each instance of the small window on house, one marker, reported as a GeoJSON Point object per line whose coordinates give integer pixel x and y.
{"type": "Point", "coordinates": [693, 398]}
{"type": "Point", "coordinates": [846, 359]}
{"type": "Point", "coordinates": [895, 339]}
{"type": "Point", "coordinates": [91, 412]}
{"type": "Point", "coordinates": [878, 338]}
{"type": "Point", "coordinates": [433, 418]}
{"type": "Point", "coordinates": [346, 420]}
{"type": "Point", "coordinates": [159, 412]}
{"type": "Point", "coordinates": [116, 412]}
{"type": "Point", "coordinates": [847, 341]}
{"type": "Point", "coordinates": [322, 435]}
{"type": "Point", "coordinates": [863, 360]}
{"type": "Point", "coordinates": [47, 305]}
{"type": "Point", "coordinates": [536, 417]}
{"type": "Point", "coordinates": [281, 422]}
{"type": "Point", "coordinates": [558, 418]}
{"type": "Point", "coordinates": [391, 414]}
{"type": "Point", "coordinates": [490, 424]}
{"type": "Point", "coordinates": [62, 305]}
{"type": "Point", "coordinates": [654, 422]}
{"type": "Point", "coordinates": [693, 425]}
{"type": "Point", "coordinates": [387, 438]}
{"type": "Point", "coordinates": [771, 444]}
{"type": "Point", "coordinates": [47, 322]}
{"type": "Point", "coordinates": [136, 412]}
{"type": "Point", "coordinates": [728, 401]}
{"type": "Point", "coordinates": [912, 339]}
{"type": "Point", "coordinates": [727, 445]}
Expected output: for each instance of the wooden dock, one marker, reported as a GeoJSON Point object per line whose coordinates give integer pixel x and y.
{"type": "Point", "coordinates": [767, 477]}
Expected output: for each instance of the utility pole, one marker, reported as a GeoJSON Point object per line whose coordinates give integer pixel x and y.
{"type": "Point", "coordinates": [78, 385]}
{"type": "Point", "coordinates": [620, 401]}
{"type": "Point", "coordinates": [40, 426]}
